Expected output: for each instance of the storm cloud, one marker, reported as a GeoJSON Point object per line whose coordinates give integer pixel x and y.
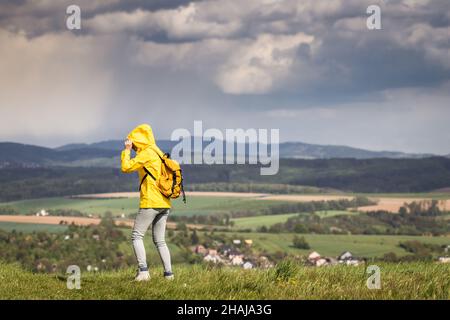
{"type": "Point", "coordinates": [310, 68]}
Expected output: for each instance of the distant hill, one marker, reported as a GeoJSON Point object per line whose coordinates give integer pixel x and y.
{"type": "Point", "coordinates": [106, 153]}
{"type": "Point", "coordinates": [298, 150]}
{"type": "Point", "coordinates": [116, 145]}
{"type": "Point", "coordinates": [315, 151]}
{"type": "Point", "coordinates": [16, 154]}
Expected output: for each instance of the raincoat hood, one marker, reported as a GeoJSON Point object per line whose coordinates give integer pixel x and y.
{"type": "Point", "coordinates": [142, 137]}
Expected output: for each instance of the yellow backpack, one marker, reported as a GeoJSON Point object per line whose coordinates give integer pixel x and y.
{"type": "Point", "coordinates": [170, 182]}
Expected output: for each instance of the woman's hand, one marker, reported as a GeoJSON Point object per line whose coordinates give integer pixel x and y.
{"type": "Point", "coordinates": [128, 144]}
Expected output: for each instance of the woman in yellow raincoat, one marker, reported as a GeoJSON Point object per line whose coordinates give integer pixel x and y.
{"type": "Point", "coordinates": [154, 207]}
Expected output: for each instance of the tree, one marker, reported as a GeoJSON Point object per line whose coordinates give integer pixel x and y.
{"type": "Point", "coordinates": [300, 243]}
{"type": "Point", "coordinates": [194, 237]}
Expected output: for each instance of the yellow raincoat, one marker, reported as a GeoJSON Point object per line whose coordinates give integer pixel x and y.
{"type": "Point", "coordinates": [142, 138]}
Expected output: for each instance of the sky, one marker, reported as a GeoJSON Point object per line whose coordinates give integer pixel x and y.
{"type": "Point", "coordinates": [310, 68]}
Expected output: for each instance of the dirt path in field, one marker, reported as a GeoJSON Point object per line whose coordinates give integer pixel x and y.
{"type": "Point", "coordinates": [80, 221]}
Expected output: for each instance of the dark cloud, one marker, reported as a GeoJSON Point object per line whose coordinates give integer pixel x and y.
{"type": "Point", "coordinates": [310, 68]}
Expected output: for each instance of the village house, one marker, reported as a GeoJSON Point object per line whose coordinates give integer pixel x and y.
{"type": "Point", "coordinates": [40, 266]}
{"type": "Point", "coordinates": [346, 255]}
{"type": "Point", "coordinates": [236, 260]}
{"type": "Point", "coordinates": [248, 242]}
{"type": "Point", "coordinates": [42, 213]}
{"type": "Point", "coordinates": [212, 252]}
{"type": "Point", "coordinates": [444, 259]}
{"type": "Point", "coordinates": [347, 258]}
{"type": "Point", "coordinates": [264, 262]}
{"type": "Point", "coordinates": [226, 249]}
{"type": "Point", "coordinates": [315, 259]}
{"type": "Point", "coordinates": [213, 258]}
{"type": "Point", "coordinates": [200, 250]}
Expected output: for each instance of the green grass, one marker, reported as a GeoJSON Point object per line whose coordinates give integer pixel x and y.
{"type": "Point", "coordinates": [269, 220]}
{"type": "Point", "coordinates": [286, 281]}
{"type": "Point", "coordinates": [30, 227]}
{"type": "Point", "coordinates": [332, 213]}
{"type": "Point", "coordinates": [332, 245]}
{"type": "Point", "coordinates": [259, 221]}
{"type": "Point", "coordinates": [89, 206]}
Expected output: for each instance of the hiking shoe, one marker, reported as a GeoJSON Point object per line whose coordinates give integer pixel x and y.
{"type": "Point", "coordinates": [168, 275]}
{"type": "Point", "coordinates": [142, 276]}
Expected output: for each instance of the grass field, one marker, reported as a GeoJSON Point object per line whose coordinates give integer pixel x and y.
{"type": "Point", "coordinates": [196, 205]}
{"type": "Point", "coordinates": [259, 221]}
{"type": "Point", "coordinates": [269, 220]}
{"type": "Point", "coordinates": [286, 281]}
{"type": "Point", "coordinates": [332, 213]}
{"type": "Point", "coordinates": [332, 245]}
{"type": "Point", "coordinates": [31, 227]}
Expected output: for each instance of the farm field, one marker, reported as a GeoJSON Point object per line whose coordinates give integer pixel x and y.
{"type": "Point", "coordinates": [332, 213]}
{"type": "Point", "coordinates": [201, 203]}
{"type": "Point", "coordinates": [285, 281]}
{"type": "Point", "coordinates": [369, 246]}
{"type": "Point", "coordinates": [198, 205]}
{"type": "Point", "coordinates": [80, 221]}
{"type": "Point", "coordinates": [31, 227]}
{"type": "Point", "coordinates": [269, 220]}
{"type": "Point", "coordinates": [259, 221]}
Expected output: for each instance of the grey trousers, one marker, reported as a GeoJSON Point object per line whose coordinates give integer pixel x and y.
{"type": "Point", "coordinates": [157, 218]}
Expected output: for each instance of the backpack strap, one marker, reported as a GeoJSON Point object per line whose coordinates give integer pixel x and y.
{"type": "Point", "coordinates": [147, 173]}
{"type": "Point", "coordinates": [182, 190]}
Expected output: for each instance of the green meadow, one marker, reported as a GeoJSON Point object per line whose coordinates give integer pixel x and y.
{"type": "Point", "coordinates": [259, 221]}
{"type": "Point", "coordinates": [269, 220]}
{"type": "Point", "coordinates": [30, 227]}
{"type": "Point", "coordinates": [287, 280]}
{"type": "Point", "coordinates": [196, 205]}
